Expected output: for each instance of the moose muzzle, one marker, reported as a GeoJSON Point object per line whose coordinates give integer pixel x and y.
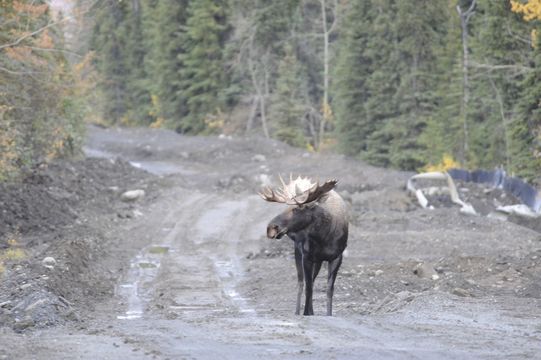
{"type": "Point", "coordinates": [274, 231]}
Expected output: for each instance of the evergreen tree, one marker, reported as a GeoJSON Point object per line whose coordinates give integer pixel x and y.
{"type": "Point", "coordinates": [354, 67]}
{"type": "Point", "coordinates": [202, 77]}
{"type": "Point", "coordinates": [287, 107]}
{"type": "Point", "coordinates": [136, 87]}
{"type": "Point", "coordinates": [419, 31]}
{"type": "Point", "coordinates": [164, 23]}
{"type": "Point", "coordinates": [526, 125]}
{"type": "Point", "coordinates": [384, 106]}
{"type": "Point", "coordinates": [108, 42]}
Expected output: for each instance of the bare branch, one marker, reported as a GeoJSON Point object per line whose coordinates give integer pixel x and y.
{"type": "Point", "coordinates": [517, 37]}
{"type": "Point", "coordinates": [335, 16]}
{"type": "Point", "coordinates": [55, 50]}
{"type": "Point", "coordinates": [491, 67]}
{"type": "Point", "coordinates": [22, 38]}
{"type": "Point", "coordinates": [19, 72]}
{"type": "Point", "coordinates": [41, 29]}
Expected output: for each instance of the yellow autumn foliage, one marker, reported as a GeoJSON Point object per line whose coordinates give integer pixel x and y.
{"type": "Point", "coordinates": [32, 9]}
{"type": "Point", "coordinates": [8, 151]}
{"type": "Point", "coordinates": [158, 123]}
{"type": "Point", "coordinates": [530, 10]}
{"type": "Point", "coordinates": [215, 122]}
{"type": "Point", "coordinates": [326, 110]}
{"type": "Point", "coordinates": [13, 252]}
{"type": "Point", "coordinates": [446, 163]}
{"type": "Point", "coordinates": [155, 112]}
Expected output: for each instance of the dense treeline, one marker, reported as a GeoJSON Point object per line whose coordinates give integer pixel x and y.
{"type": "Point", "coordinates": [40, 109]}
{"type": "Point", "coordinates": [440, 77]}
{"type": "Point", "coordinates": [398, 83]}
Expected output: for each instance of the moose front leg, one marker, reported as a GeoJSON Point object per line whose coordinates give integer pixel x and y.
{"type": "Point", "coordinates": [333, 271]}
{"type": "Point", "coordinates": [308, 267]}
{"type": "Point", "coordinates": [315, 271]}
{"type": "Point", "coordinates": [300, 279]}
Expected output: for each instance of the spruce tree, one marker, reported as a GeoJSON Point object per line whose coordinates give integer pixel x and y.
{"type": "Point", "coordinates": [387, 83]}
{"type": "Point", "coordinates": [164, 23]}
{"type": "Point", "coordinates": [420, 28]}
{"type": "Point", "coordinates": [108, 42]}
{"type": "Point", "coordinates": [526, 125]}
{"type": "Point", "coordinates": [135, 50]}
{"type": "Point", "coordinates": [354, 67]}
{"type": "Point", "coordinates": [287, 106]}
{"type": "Point", "coordinates": [202, 77]}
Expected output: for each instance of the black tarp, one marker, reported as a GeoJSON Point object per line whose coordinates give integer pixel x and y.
{"type": "Point", "coordinates": [527, 194]}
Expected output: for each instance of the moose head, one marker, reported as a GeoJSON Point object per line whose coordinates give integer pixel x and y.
{"type": "Point", "coordinates": [302, 195]}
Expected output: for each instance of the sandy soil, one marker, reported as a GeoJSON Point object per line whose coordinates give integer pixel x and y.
{"type": "Point", "coordinates": [186, 271]}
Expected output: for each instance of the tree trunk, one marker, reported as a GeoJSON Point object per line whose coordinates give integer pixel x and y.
{"type": "Point", "coordinates": [253, 111]}
{"type": "Point", "coordinates": [464, 108]}
{"type": "Point", "coordinates": [257, 88]}
{"type": "Point", "coordinates": [506, 138]}
{"type": "Point", "coordinates": [325, 107]}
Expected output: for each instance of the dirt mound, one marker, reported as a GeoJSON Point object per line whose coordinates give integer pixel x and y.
{"type": "Point", "coordinates": [53, 232]}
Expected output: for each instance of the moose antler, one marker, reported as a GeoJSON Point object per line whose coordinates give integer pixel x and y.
{"type": "Point", "coordinates": [298, 192]}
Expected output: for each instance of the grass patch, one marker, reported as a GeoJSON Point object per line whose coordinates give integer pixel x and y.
{"type": "Point", "coordinates": [158, 250]}
{"type": "Point", "coordinates": [146, 265]}
{"type": "Point", "coordinates": [12, 253]}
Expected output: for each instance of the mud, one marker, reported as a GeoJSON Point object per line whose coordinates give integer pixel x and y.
{"type": "Point", "coordinates": [186, 272]}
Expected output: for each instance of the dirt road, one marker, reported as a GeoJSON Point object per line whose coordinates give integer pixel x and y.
{"type": "Point", "coordinates": [201, 281]}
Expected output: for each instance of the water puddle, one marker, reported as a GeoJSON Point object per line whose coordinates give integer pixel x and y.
{"type": "Point", "coordinates": [161, 168]}
{"type": "Point", "coordinates": [143, 270]}
{"type": "Point", "coordinates": [230, 273]}
{"type": "Point", "coordinates": [213, 267]}
{"type": "Point", "coordinates": [95, 153]}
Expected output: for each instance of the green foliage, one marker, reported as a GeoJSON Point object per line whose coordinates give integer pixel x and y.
{"type": "Point", "coordinates": [397, 75]}
{"type": "Point", "coordinates": [202, 75]}
{"type": "Point", "coordinates": [108, 42]}
{"type": "Point", "coordinates": [355, 64]}
{"type": "Point", "coordinates": [386, 82]}
{"type": "Point", "coordinates": [164, 22]}
{"type": "Point", "coordinates": [526, 125]}
{"type": "Point", "coordinates": [40, 117]}
{"type": "Point", "coordinates": [287, 107]}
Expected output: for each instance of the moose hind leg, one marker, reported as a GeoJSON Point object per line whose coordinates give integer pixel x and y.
{"type": "Point", "coordinates": [334, 265]}
{"type": "Point", "coordinates": [300, 279]}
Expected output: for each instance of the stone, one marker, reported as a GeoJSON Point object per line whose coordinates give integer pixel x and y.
{"type": "Point", "coordinates": [461, 292]}
{"type": "Point", "coordinates": [259, 158]}
{"type": "Point", "coordinates": [49, 262]}
{"type": "Point", "coordinates": [132, 195]}
{"type": "Point", "coordinates": [426, 271]}
{"type": "Point", "coordinates": [25, 286]}
{"type": "Point", "coordinates": [24, 324]}
{"type": "Point", "coordinates": [263, 180]}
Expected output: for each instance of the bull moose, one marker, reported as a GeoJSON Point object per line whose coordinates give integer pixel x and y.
{"type": "Point", "coordinates": [316, 220]}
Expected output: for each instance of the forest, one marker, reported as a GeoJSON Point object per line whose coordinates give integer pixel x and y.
{"type": "Point", "coordinates": [402, 84]}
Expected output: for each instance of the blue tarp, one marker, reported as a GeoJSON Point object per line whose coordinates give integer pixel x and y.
{"type": "Point", "coordinates": [527, 194]}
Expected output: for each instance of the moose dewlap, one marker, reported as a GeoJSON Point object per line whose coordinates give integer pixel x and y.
{"type": "Point", "coordinates": [316, 221]}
